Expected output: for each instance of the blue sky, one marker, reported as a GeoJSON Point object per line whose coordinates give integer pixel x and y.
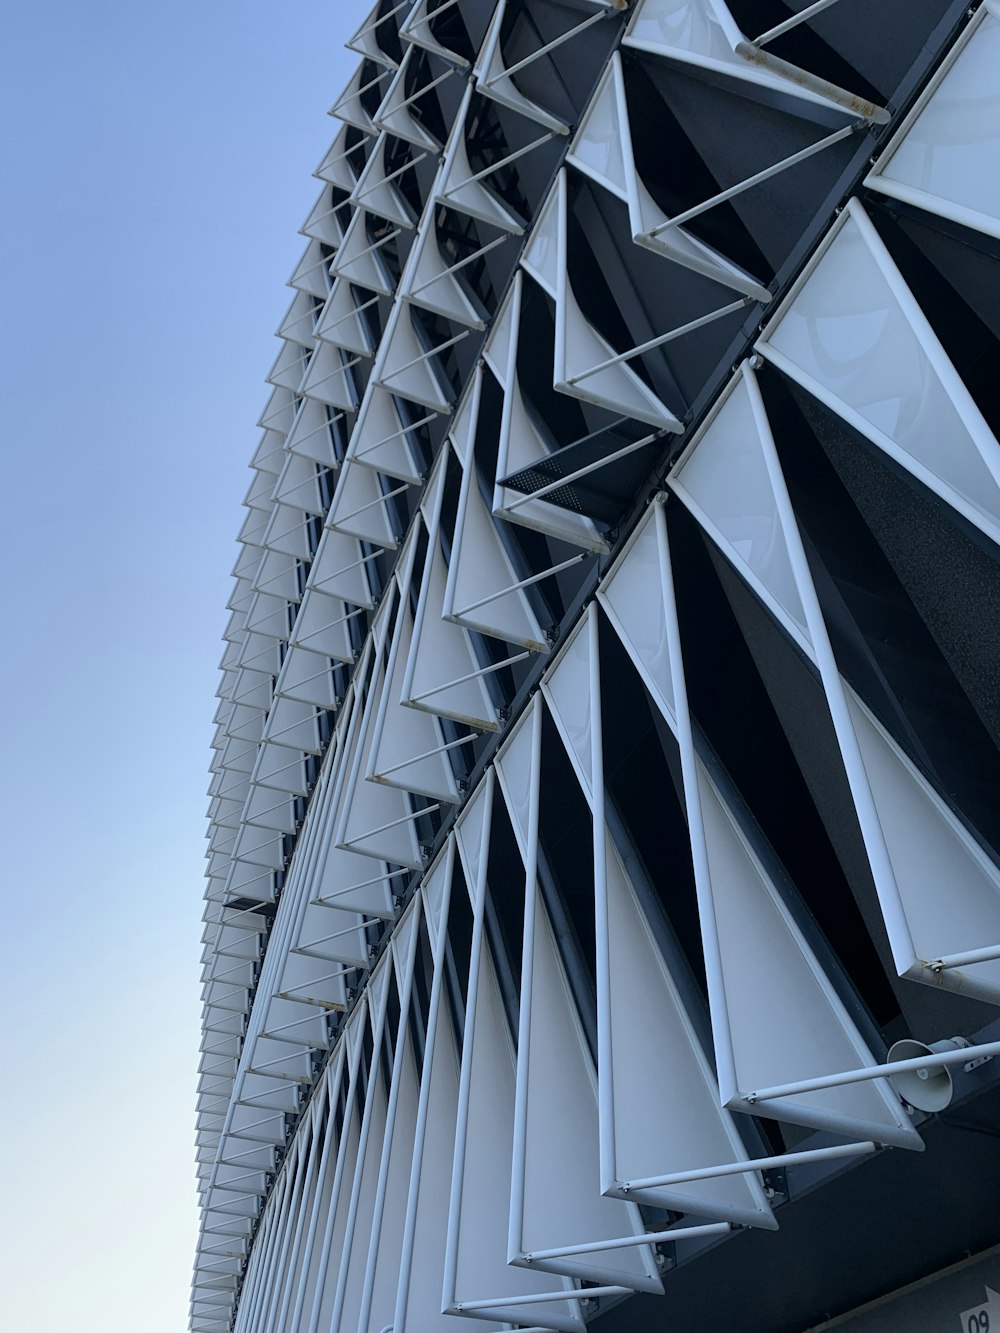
{"type": "Point", "coordinates": [157, 164]}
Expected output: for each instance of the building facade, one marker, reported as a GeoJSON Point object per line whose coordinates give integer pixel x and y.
{"type": "Point", "coordinates": [604, 792]}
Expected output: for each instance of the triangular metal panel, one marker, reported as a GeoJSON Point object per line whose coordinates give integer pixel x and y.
{"type": "Point", "coordinates": [379, 439]}
{"type": "Point", "coordinates": [852, 333]}
{"type": "Point", "coordinates": [943, 158]}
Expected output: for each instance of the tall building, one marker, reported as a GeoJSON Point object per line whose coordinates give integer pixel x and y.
{"type": "Point", "coordinates": [604, 796]}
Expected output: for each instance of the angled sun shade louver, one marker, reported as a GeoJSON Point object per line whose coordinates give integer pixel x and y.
{"type": "Point", "coordinates": [395, 114]}
{"type": "Point", "coordinates": [360, 507]}
{"type": "Point", "coordinates": [431, 282]}
{"type": "Point", "coordinates": [312, 273]}
{"type": "Point", "coordinates": [327, 217]}
{"type": "Point", "coordinates": [443, 673]}
{"type": "Point", "coordinates": [366, 40]}
{"type": "Point", "coordinates": [299, 485]}
{"type": "Point", "coordinates": [478, 1281]}
{"type": "Point", "coordinates": [467, 191]}
{"type": "Point", "coordinates": [853, 334]}
{"type": "Point", "coordinates": [586, 365]}
{"type": "Point", "coordinates": [377, 190]}
{"type": "Point", "coordinates": [299, 322]}
{"type": "Point", "coordinates": [407, 367]}
{"type": "Point", "coordinates": [888, 792]}
{"type": "Point", "coordinates": [341, 321]}
{"type": "Point", "coordinates": [336, 168]}
{"type": "Point", "coordinates": [349, 106]}
{"type": "Point", "coordinates": [323, 627]}
{"type": "Point", "coordinates": [945, 155]}
{"type": "Point", "coordinates": [340, 569]}
{"type": "Point", "coordinates": [386, 1180]}
{"type": "Point", "coordinates": [602, 149]}
{"type": "Point", "coordinates": [418, 28]}
{"type": "Point", "coordinates": [495, 79]}
{"type": "Point", "coordinates": [483, 591]}
{"type": "Point", "coordinates": [704, 33]}
{"type": "Point", "coordinates": [524, 442]}
{"type": "Point", "coordinates": [409, 749]}
{"type": "Point", "coordinates": [374, 819]}
{"type": "Point", "coordinates": [381, 440]}
{"type": "Point", "coordinates": [329, 378]}
{"type": "Point", "coordinates": [311, 435]}
{"type": "Point", "coordinates": [700, 1166]}
{"type": "Point", "coordinates": [289, 365]}
{"type": "Point", "coordinates": [557, 1210]}
{"type": "Point", "coordinates": [358, 259]}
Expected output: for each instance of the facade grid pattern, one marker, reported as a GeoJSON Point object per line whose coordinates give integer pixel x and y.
{"type": "Point", "coordinates": [602, 801]}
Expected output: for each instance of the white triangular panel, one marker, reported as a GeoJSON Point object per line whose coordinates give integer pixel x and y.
{"type": "Point", "coordinates": [429, 281]}
{"type": "Point", "coordinates": [579, 348]}
{"type": "Point", "coordinates": [441, 665]}
{"type": "Point", "coordinates": [288, 530]}
{"type": "Point", "coordinates": [379, 438]}
{"type": "Point", "coordinates": [358, 258]}
{"type": "Point", "coordinates": [311, 435]}
{"type": "Point", "coordinates": [950, 890]}
{"type": "Point", "coordinates": [304, 676]}
{"type": "Point", "coordinates": [324, 220]}
{"type": "Point", "coordinates": [519, 774]}
{"type": "Point", "coordinates": [379, 1297]}
{"type": "Point", "coordinates": [341, 322]}
{"type": "Point", "coordinates": [360, 507]}
{"type": "Point", "coordinates": [493, 80]}
{"type": "Point", "coordinates": [785, 1022]}
{"type": "Point", "coordinates": [704, 33]}
{"type": "Point", "coordinates": [329, 378]}
{"type": "Point", "coordinates": [632, 597]}
{"type": "Point", "coordinates": [557, 1084]}
{"type": "Point", "coordinates": [339, 569]}
{"type": "Point", "coordinates": [336, 165]}
{"type": "Point", "coordinates": [375, 820]}
{"type": "Point", "coordinates": [295, 725]}
{"type": "Point", "coordinates": [289, 366]}
{"type": "Point", "coordinates": [946, 157]}
{"type": "Point", "coordinates": [481, 568]}
{"type": "Point", "coordinates": [395, 115]}
{"type": "Point", "coordinates": [567, 691]}
{"type": "Point", "coordinates": [543, 253]}
{"type": "Point", "coordinates": [418, 1301]}
{"type": "Point", "coordinates": [435, 895]}
{"type": "Point", "coordinates": [458, 190]}
{"type": "Point", "coordinates": [723, 479]}
{"type": "Point", "coordinates": [354, 1256]}
{"type": "Point", "coordinates": [522, 444]}
{"type": "Point", "coordinates": [378, 194]}
{"type": "Point", "coordinates": [617, 388]}
{"type": "Point", "coordinates": [853, 335]}
{"type": "Point", "coordinates": [667, 1116]}
{"type": "Point", "coordinates": [470, 827]}
{"type": "Point", "coordinates": [464, 423]}
{"type": "Point", "coordinates": [407, 744]}
{"type": "Point", "coordinates": [406, 367]}
{"type": "Point", "coordinates": [596, 149]}
{"type": "Point", "coordinates": [477, 1230]}
{"type": "Point", "coordinates": [416, 30]}
{"type": "Point", "coordinates": [349, 107]}
{"type": "Point", "coordinates": [323, 627]}
{"type": "Point", "coordinates": [365, 39]}
{"type": "Point", "coordinates": [299, 322]}
{"type": "Point", "coordinates": [298, 485]}
{"type": "Point", "coordinates": [312, 273]}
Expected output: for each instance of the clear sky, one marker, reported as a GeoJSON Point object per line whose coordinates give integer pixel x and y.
{"type": "Point", "coordinates": [156, 165]}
